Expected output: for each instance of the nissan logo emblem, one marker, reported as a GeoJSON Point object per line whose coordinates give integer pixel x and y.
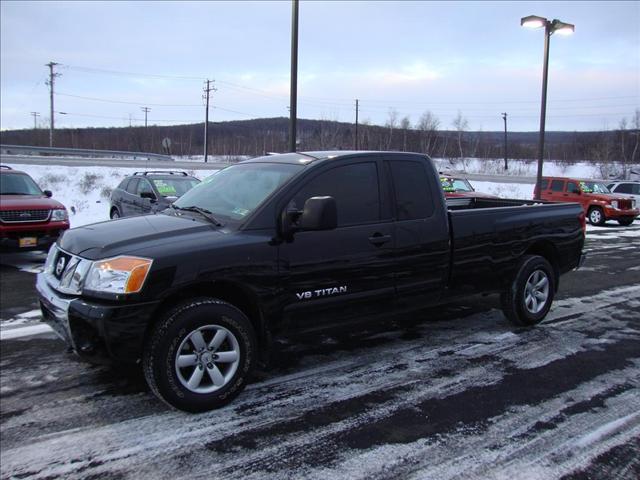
{"type": "Point", "coordinates": [60, 266]}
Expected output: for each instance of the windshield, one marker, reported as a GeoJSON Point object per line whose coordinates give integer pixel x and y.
{"type": "Point", "coordinates": [593, 187]}
{"type": "Point", "coordinates": [455, 185]}
{"type": "Point", "coordinates": [174, 187]}
{"type": "Point", "coordinates": [18, 184]}
{"type": "Point", "coordinates": [234, 192]}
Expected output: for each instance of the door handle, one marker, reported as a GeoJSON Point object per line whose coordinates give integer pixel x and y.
{"type": "Point", "coordinates": [379, 239]}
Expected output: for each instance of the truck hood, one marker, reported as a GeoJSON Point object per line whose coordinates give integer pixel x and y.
{"type": "Point", "coordinates": [28, 202]}
{"type": "Point", "coordinates": [126, 235]}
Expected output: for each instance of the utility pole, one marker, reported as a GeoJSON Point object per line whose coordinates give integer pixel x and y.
{"type": "Point", "coordinates": [293, 132]}
{"type": "Point", "coordinates": [208, 88]}
{"type": "Point", "coordinates": [356, 142]}
{"type": "Point", "coordinates": [504, 117]}
{"type": "Point", "coordinates": [35, 122]}
{"type": "Point", "coordinates": [145, 110]}
{"type": "Point", "coordinates": [51, 83]}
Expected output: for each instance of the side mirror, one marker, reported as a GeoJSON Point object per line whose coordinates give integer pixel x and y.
{"type": "Point", "coordinates": [150, 195]}
{"type": "Point", "coordinates": [319, 213]}
{"type": "Point", "coordinates": [48, 193]}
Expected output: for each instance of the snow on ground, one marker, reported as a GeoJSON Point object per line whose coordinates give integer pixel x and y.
{"type": "Point", "coordinates": [504, 190]}
{"type": "Point", "coordinates": [85, 191]}
{"type": "Point", "coordinates": [529, 168]}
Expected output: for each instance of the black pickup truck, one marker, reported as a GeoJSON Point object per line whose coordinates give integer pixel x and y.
{"type": "Point", "coordinates": [292, 241]}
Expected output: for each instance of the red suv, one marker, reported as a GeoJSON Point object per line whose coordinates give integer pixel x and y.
{"type": "Point", "coordinates": [597, 201]}
{"type": "Point", "coordinates": [29, 218]}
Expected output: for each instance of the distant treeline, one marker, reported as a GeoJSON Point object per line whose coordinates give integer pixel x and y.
{"type": "Point", "coordinates": [258, 136]}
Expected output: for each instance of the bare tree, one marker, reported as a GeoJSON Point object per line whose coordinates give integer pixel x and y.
{"type": "Point", "coordinates": [392, 122]}
{"type": "Point", "coordinates": [461, 125]}
{"type": "Point", "coordinates": [405, 124]}
{"type": "Point", "coordinates": [428, 126]}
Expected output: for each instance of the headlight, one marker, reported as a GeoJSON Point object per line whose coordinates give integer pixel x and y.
{"type": "Point", "coordinates": [614, 204]}
{"type": "Point", "coordinates": [118, 275]}
{"type": "Point", "coordinates": [59, 215]}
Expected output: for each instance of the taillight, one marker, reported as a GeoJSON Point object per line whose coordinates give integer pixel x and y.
{"type": "Point", "coordinates": [582, 217]}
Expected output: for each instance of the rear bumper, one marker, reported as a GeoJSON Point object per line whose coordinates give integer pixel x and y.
{"type": "Point", "coordinates": [98, 333]}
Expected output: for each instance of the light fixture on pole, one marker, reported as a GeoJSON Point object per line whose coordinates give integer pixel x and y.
{"type": "Point", "coordinates": [550, 27]}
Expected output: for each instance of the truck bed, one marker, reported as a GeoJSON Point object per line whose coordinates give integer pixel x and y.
{"type": "Point", "coordinates": [488, 235]}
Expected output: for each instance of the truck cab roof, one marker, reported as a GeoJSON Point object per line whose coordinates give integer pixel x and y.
{"type": "Point", "coordinates": [305, 158]}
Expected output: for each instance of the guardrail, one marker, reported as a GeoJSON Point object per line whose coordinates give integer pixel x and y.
{"type": "Point", "coordinates": [80, 152]}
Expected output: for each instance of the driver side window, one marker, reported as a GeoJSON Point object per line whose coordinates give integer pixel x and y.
{"type": "Point", "coordinates": [354, 188]}
{"type": "Point", "coordinates": [144, 187]}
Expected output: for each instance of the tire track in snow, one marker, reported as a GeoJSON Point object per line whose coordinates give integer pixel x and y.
{"type": "Point", "coordinates": [477, 348]}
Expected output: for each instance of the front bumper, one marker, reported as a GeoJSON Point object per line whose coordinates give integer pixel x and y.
{"type": "Point", "coordinates": [45, 234]}
{"type": "Point", "coordinates": [611, 213]}
{"type": "Point", "coordinates": [97, 332]}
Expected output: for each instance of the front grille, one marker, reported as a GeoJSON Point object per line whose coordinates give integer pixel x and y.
{"type": "Point", "coordinates": [24, 216]}
{"type": "Point", "coordinates": [60, 264]}
{"type": "Point", "coordinates": [624, 204]}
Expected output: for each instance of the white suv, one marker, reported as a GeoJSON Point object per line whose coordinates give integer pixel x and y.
{"type": "Point", "coordinates": [630, 188]}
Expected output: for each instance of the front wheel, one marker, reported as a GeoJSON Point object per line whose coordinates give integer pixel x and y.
{"type": "Point", "coordinates": [200, 355]}
{"type": "Point", "coordinates": [596, 216]}
{"type": "Point", "coordinates": [115, 214]}
{"type": "Point", "coordinates": [625, 222]}
{"type": "Point", "coordinates": [530, 295]}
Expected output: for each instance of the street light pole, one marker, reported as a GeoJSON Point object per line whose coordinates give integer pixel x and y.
{"type": "Point", "coordinates": [504, 117]}
{"type": "Point", "coordinates": [550, 27]}
{"type": "Point", "coordinates": [293, 101]}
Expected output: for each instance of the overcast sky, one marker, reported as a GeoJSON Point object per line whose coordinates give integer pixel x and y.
{"type": "Point", "coordinates": [446, 57]}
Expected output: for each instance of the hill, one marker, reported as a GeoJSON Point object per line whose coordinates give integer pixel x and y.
{"type": "Point", "coordinates": [257, 136]}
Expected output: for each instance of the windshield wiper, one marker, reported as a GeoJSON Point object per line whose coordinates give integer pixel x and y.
{"type": "Point", "coordinates": [202, 211]}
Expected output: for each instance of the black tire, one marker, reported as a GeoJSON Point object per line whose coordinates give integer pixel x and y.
{"type": "Point", "coordinates": [114, 214]}
{"type": "Point", "coordinates": [171, 338]}
{"type": "Point", "coordinates": [516, 307]}
{"type": "Point", "coordinates": [596, 216]}
{"type": "Point", "coordinates": [625, 222]}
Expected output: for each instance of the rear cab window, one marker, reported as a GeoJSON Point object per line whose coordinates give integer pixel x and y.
{"type": "Point", "coordinates": [412, 192]}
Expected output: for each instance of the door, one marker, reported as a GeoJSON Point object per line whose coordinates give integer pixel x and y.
{"type": "Point", "coordinates": [422, 244]}
{"type": "Point", "coordinates": [572, 192]}
{"type": "Point", "coordinates": [144, 205]}
{"type": "Point", "coordinates": [556, 193]}
{"type": "Point", "coordinates": [129, 197]}
{"type": "Point", "coordinates": [332, 275]}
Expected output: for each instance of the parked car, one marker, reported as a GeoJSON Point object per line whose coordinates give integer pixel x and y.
{"type": "Point", "coordinates": [598, 203]}
{"type": "Point", "coordinates": [149, 192]}
{"type": "Point", "coordinates": [29, 218]}
{"type": "Point", "coordinates": [629, 188]}
{"type": "Point", "coordinates": [455, 187]}
{"type": "Point", "coordinates": [288, 242]}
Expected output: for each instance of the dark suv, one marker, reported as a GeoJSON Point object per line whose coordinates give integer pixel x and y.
{"type": "Point", "coordinates": [149, 192]}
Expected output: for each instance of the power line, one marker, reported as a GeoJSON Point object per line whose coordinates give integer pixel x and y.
{"type": "Point", "coordinates": [106, 100]}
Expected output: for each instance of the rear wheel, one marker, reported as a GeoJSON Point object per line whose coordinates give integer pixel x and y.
{"type": "Point", "coordinates": [596, 216]}
{"type": "Point", "coordinates": [199, 356]}
{"type": "Point", "coordinates": [625, 222]}
{"type": "Point", "coordinates": [114, 213]}
{"type": "Point", "coordinates": [530, 295]}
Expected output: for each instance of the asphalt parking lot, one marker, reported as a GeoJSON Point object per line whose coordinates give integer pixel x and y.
{"type": "Point", "coordinates": [454, 392]}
